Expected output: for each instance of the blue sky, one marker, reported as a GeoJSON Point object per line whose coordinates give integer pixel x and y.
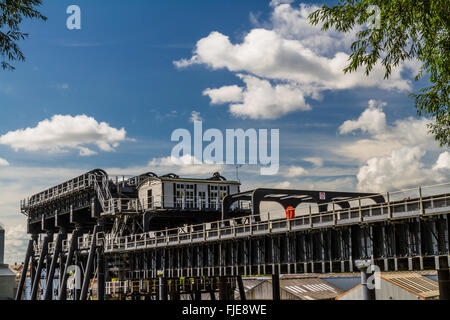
{"type": "Point", "coordinates": [119, 69]}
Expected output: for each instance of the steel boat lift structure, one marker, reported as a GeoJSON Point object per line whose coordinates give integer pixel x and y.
{"type": "Point", "coordinates": [139, 237]}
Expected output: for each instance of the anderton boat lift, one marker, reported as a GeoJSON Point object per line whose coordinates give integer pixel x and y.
{"type": "Point", "coordinates": [158, 237]}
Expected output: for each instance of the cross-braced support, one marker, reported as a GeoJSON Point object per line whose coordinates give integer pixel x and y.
{"type": "Point", "coordinates": [89, 265]}
{"type": "Point", "coordinates": [42, 257]}
{"type": "Point", "coordinates": [73, 245]}
{"type": "Point", "coordinates": [29, 255]}
{"type": "Point", "coordinates": [241, 288]}
{"type": "Point", "coordinates": [51, 272]}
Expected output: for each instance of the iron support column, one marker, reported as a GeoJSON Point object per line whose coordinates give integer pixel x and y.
{"type": "Point", "coordinates": [37, 276]}
{"type": "Point", "coordinates": [100, 274]}
{"type": "Point", "coordinates": [101, 282]}
{"type": "Point", "coordinates": [162, 288]}
{"type": "Point", "coordinates": [89, 265]}
{"type": "Point", "coordinates": [73, 245]}
{"type": "Point", "coordinates": [444, 284]}
{"type": "Point", "coordinates": [276, 287]}
{"type": "Point", "coordinates": [51, 273]}
{"type": "Point", "coordinates": [175, 294]}
{"type": "Point", "coordinates": [241, 288]}
{"type": "Point", "coordinates": [23, 276]}
{"type": "Point", "coordinates": [33, 262]}
{"type": "Point", "coordinates": [224, 290]}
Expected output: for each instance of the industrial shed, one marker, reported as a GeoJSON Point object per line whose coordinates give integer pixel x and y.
{"type": "Point", "coordinates": [249, 284]}
{"type": "Point", "coordinates": [399, 286]}
{"type": "Point", "coordinates": [295, 288]}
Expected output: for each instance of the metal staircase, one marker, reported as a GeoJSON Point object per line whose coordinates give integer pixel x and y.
{"type": "Point", "coordinates": [102, 190]}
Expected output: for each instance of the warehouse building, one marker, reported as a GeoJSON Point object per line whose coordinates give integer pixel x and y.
{"type": "Point", "coordinates": [292, 287]}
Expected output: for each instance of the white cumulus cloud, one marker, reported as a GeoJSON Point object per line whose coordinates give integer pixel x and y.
{"type": "Point", "coordinates": [393, 156]}
{"type": "Point", "coordinates": [3, 162]}
{"type": "Point", "coordinates": [402, 169]}
{"type": "Point", "coordinates": [372, 120]}
{"type": "Point", "coordinates": [294, 171]}
{"type": "Point", "coordinates": [381, 138]}
{"type": "Point", "coordinates": [316, 161]}
{"type": "Point", "coordinates": [65, 132]}
{"type": "Point", "coordinates": [291, 54]}
{"type": "Point", "coordinates": [261, 100]}
{"type": "Point", "coordinates": [16, 240]}
{"type": "Point", "coordinates": [293, 23]}
{"type": "Point", "coordinates": [443, 162]}
{"type": "Point", "coordinates": [265, 53]}
{"type": "Point", "coordinates": [224, 94]}
{"type": "Point", "coordinates": [275, 3]}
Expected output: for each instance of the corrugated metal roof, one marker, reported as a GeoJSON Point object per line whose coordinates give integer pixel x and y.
{"type": "Point", "coordinates": [343, 283]}
{"type": "Point", "coordinates": [310, 288]}
{"type": "Point", "coordinates": [249, 284]}
{"type": "Point", "coordinates": [414, 283]}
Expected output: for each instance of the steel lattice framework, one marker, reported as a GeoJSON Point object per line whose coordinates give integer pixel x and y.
{"type": "Point", "coordinates": [98, 224]}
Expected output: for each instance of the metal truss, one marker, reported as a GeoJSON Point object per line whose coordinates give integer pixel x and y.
{"type": "Point", "coordinates": [408, 230]}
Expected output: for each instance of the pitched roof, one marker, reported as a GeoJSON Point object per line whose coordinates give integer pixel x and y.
{"type": "Point", "coordinates": [249, 284]}
{"type": "Point", "coordinates": [414, 283]}
{"type": "Point", "coordinates": [310, 288]}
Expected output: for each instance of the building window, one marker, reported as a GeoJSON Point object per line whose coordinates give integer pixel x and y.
{"type": "Point", "coordinates": [202, 199]}
{"type": "Point", "coordinates": [189, 199]}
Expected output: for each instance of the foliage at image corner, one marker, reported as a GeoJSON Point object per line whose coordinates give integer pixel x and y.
{"type": "Point", "coordinates": [12, 14]}
{"type": "Point", "coordinates": [408, 29]}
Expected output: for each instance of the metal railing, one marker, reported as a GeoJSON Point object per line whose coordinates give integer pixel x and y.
{"type": "Point", "coordinates": [116, 287]}
{"type": "Point", "coordinates": [429, 201]}
{"type": "Point", "coordinates": [54, 193]}
{"type": "Point", "coordinates": [131, 287]}
{"type": "Point", "coordinates": [150, 286]}
{"type": "Point", "coordinates": [100, 182]}
{"type": "Point", "coordinates": [103, 193]}
{"type": "Point", "coordinates": [100, 195]}
{"type": "Point", "coordinates": [184, 202]}
{"type": "Point", "coordinates": [363, 212]}
{"type": "Point", "coordinates": [84, 242]}
{"type": "Point", "coordinates": [77, 184]}
{"type": "Point", "coordinates": [132, 205]}
{"type": "Point", "coordinates": [122, 205]}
